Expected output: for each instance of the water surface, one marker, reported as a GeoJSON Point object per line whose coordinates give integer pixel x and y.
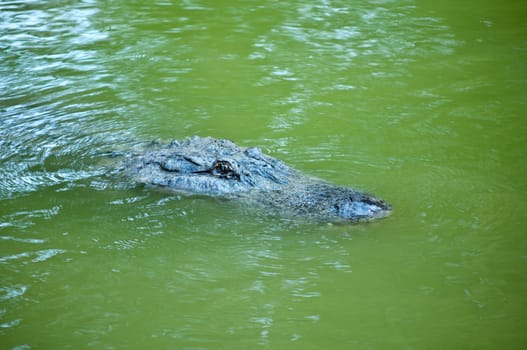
{"type": "Point", "coordinates": [420, 103]}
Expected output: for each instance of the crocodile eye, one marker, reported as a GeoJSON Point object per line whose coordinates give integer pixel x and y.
{"type": "Point", "coordinates": [225, 169]}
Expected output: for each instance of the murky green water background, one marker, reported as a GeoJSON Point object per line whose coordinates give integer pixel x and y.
{"type": "Point", "coordinates": [420, 102]}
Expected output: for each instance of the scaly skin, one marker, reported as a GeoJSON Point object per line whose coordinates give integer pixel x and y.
{"type": "Point", "coordinates": [220, 168]}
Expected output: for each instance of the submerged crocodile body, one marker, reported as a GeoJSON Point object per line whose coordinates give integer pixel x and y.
{"type": "Point", "coordinates": [220, 168]}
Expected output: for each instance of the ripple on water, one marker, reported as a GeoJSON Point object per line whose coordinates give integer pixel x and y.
{"type": "Point", "coordinates": [26, 218]}
{"type": "Point", "coordinates": [12, 292]}
{"type": "Point", "coordinates": [57, 105]}
{"type": "Point", "coordinates": [32, 257]}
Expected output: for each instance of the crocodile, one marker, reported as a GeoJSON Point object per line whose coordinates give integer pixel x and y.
{"type": "Point", "coordinates": [220, 168]}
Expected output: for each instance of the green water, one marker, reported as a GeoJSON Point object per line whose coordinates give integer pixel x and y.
{"type": "Point", "coordinates": [419, 102]}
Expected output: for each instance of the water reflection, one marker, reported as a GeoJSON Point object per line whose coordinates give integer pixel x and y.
{"type": "Point", "coordinates": [365, 43]}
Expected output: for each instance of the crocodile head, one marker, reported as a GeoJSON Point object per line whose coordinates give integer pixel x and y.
{"type": "Point", "coordinates": [221, 168]}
